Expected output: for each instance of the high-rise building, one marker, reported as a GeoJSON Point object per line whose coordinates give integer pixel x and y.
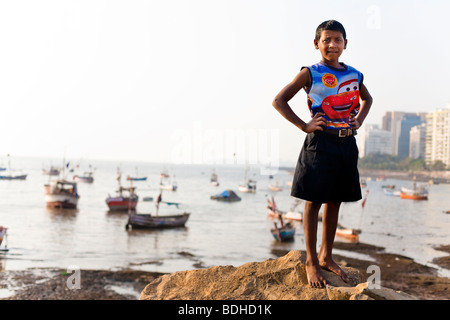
{"type": "Point", "coordinates": [417, 141]}
{"type": "Point", "coordinates": [399, 123]}
{"type": "Point", "coordinates": [373, 140]}
{"type": "Point", "coordinates": [437, 138]}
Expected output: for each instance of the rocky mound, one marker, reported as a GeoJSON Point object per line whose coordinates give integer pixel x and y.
{"type": "Point", "coordinates": [274, 279]}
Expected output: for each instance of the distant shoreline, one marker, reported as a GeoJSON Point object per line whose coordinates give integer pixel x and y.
{"type": "Point", "coordinates": [423, 176]}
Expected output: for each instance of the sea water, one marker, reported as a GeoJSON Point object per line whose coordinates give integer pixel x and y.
{"type": "Point", "coordinates": [217, 233]}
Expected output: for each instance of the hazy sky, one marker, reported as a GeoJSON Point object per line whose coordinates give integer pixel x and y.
{"type": "Point", "coordinates": [189, 81]}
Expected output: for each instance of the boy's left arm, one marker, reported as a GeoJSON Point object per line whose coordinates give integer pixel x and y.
{"type": "Point", "coordinates": [366, 103]}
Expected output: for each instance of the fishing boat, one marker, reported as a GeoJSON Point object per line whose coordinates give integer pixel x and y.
{"type": "Point", "coordinates": [61, 194]}
{"type": "Point", "coordinates": [142, 220]}
{"type": "Point", "coordinates": [157, 221]}
{"type": "Point", "coordinates": [416, 193]}
{"type": "Point", "coordinates": [283, 233]}
{"type": "Point", "coordinates": [249, 186]}
{"type": "Point", "coordinates": [348, 233]}
{"type": "Point", "coordinates": [125, 199]}
{"type": "Point", "coordinates": [275, 187]}
{"type": "Point", "coordinates": [169, 186]}
{"type": "Point", "coordinates": [227, 196]}
{"type": "Point", "coordinates": [86, 177]}
{"type": "Point", "coordinates": [10, 176]}
{"type": "Point", "coordinates": [51, 172]}
{"type": "Point", "coordinates": [214, 179]}
{"type": "Point", "coordinates": [13, 177]}
{"type": "Point", "coordinates": [390, 192]}
{"type": "Point", "coordinates": [137, 177]}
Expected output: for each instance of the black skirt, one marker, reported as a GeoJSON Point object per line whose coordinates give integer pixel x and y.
{"type": "Point", "coordinates": [327, 169]}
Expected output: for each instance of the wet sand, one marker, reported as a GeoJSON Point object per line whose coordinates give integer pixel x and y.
{"type": "Point", "coordinates": [400, 272]}
{"type": "Point", "coordinates": [397, 272]}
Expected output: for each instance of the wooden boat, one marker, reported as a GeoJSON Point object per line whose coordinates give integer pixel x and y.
{"type": "Point", "coordinates": [141, 220]}
{"type": "Point", "coordinates": [137, 177]}
{"type": "Point", "coordinates": [390, 192]}
{"type": "Point", "coordinates": [275, 187]}
{"type": "Point", "coordinates": [214, 179]}
{"type": "Point", "coordinates": [292, 214]}
{"type": "Point", "coordinates": [149, 221]}
{"type": "Point", "coordinates": [126, 199]}
{"type": "Point", "coordinates": [61, 194]}
{"type": "Point", "coordinates": [416, 193]}
{"type": "Point", "coordinates": [227, 196]}
{"type": "Point", "coordinates": [86, 177]}
{"type": "Point", "coordinates": [349, 233]}
{"type": "Point", "coordinates": [284, 233]}
{"type": "Point", "coordinates": [170, 186]}
{"type": "Point", "coordinates": [11, 176]}
{"type": "Point", "coordinates": [51, 172]}
{"type": "Point", "coordinates": [249, 187]}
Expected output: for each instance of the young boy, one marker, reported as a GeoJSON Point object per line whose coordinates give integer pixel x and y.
{"type": "Point", "coordinates": [327, 169]}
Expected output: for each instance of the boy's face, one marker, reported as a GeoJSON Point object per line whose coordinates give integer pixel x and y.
{"type": "Point", "coordinates": [331, 44]}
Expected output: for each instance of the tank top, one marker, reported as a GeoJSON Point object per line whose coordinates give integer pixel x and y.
{"type": "Point", "coordinates": [334, 92]}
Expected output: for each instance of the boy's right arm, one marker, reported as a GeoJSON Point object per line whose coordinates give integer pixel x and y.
{"type": "Point", "coordinates": [287, 93]}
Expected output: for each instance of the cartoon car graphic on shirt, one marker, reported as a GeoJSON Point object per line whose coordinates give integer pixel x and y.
{"type": "Point", "coordinates": [340, 105]}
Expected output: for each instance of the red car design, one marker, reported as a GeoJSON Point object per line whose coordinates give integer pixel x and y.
{"type": "Point", "coordinates": [340, 105]}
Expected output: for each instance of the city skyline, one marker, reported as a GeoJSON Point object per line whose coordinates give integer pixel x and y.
{"type": "Point", "coordinates": [422, 135]}
{"type": "Point", "coordinates": [168, 81]}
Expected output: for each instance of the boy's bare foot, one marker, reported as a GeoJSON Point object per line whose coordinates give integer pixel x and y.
{"type": "Point", "coordinates": [314, 275]}
{"type": "Point", "coordinates": [330, 265]}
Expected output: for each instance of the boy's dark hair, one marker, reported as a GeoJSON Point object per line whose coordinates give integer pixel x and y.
{"type": "Point", "coordinates": [330, 25]}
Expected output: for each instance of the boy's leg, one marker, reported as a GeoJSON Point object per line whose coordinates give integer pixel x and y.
{"type": "Point", "coordinates": [310, 221]}
{"type": "Point", "coordinates": [329, 225]}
